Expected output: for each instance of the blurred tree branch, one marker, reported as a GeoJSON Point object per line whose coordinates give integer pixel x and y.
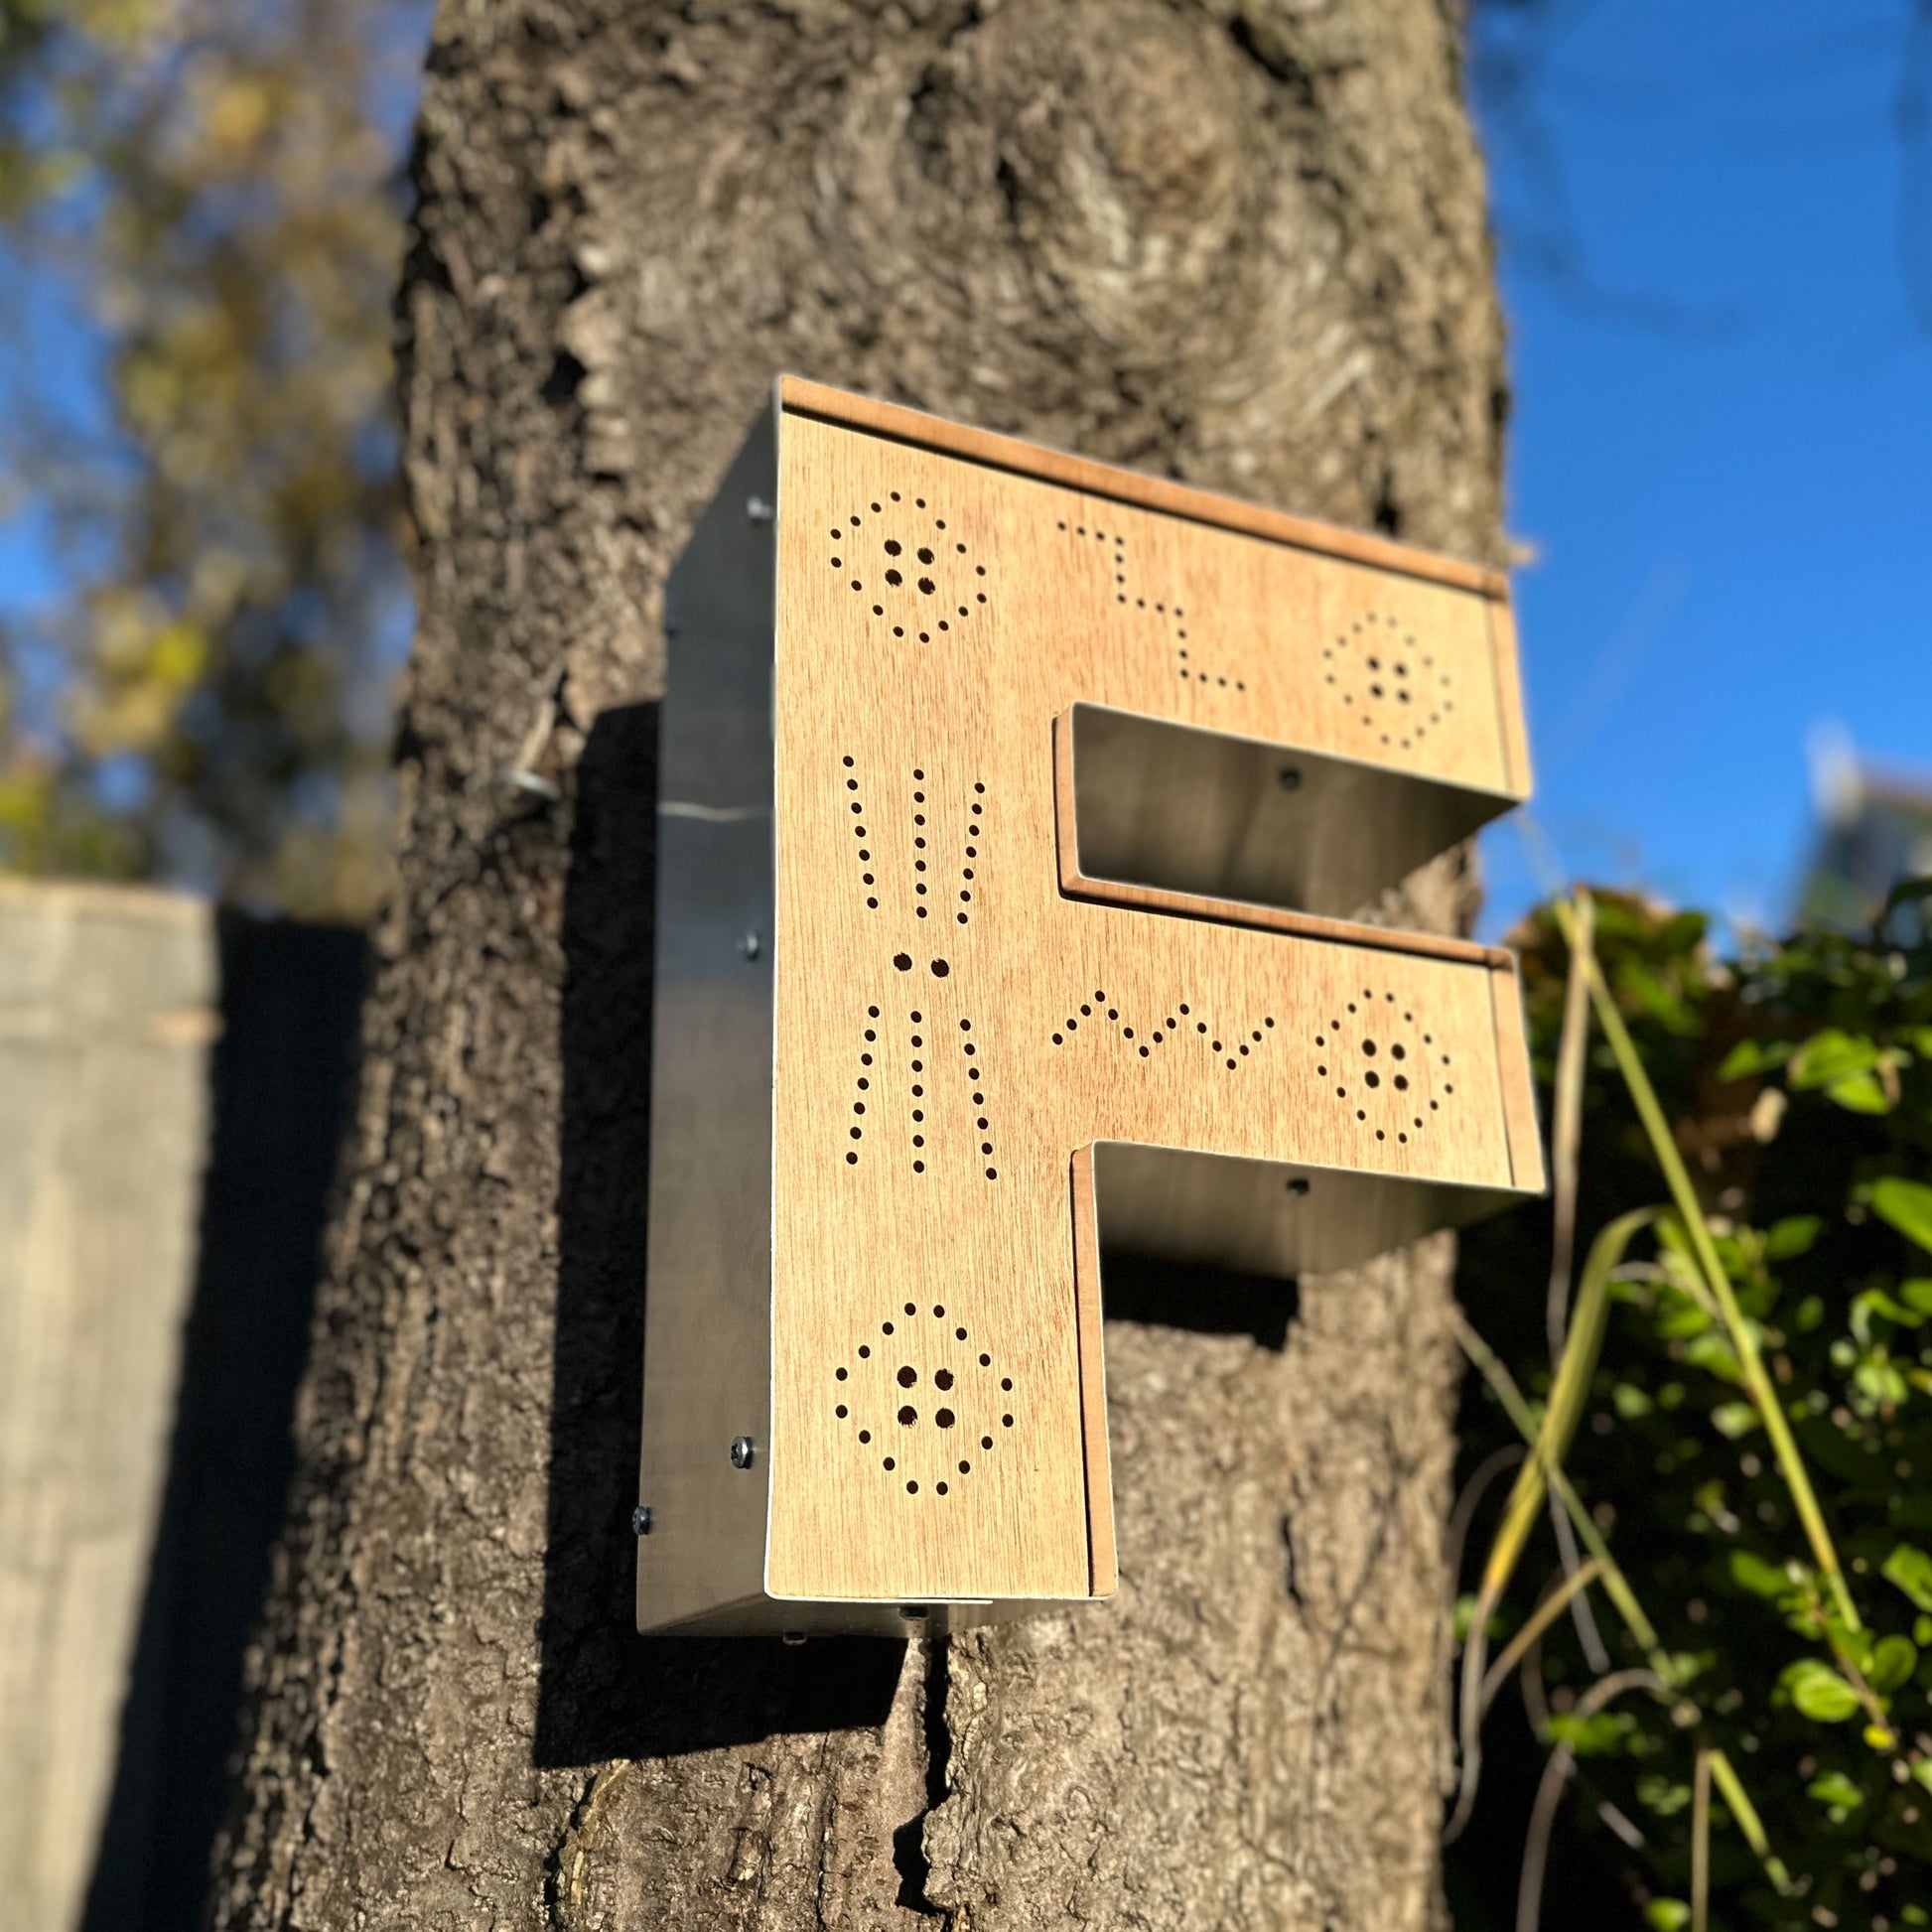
{"type": "Point", "coordinates": [203, 193]}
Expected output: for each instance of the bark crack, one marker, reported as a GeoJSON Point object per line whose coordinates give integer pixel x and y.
{"type": "Point", "coordinates": [909, 1856]}
{"type": "Point", "coordinates": [568, 1888]}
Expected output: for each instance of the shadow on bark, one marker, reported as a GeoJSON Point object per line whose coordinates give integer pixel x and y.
{"type": "Point", "coordinates": [603, 1692]}
{"type": "Point", "coordinates": [1209, 1300]}
{"type": "Point", "coordinates": [280, 1082]}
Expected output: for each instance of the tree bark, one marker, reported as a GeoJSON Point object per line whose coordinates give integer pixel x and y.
{"type": "Point", "coordinates": [1239, 242]}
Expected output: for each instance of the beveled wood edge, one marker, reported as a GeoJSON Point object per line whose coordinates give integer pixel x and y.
{"type": "Point", "coordinates": [1075, 884]}
{"type": "Point", "coordinates": [1503, 657]}
{"type": "Point", "coordinates": [1522, 1131]}
{"type": "Point", "coordinates": [1103, 1566]}
{"type": "Point", "coordinates": [803, 397]}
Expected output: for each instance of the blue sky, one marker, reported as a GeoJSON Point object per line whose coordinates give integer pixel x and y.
{"type": "Point", "coordinates": [1722, 425]}
{"type": "Point", "coordinates": [1722, 445]}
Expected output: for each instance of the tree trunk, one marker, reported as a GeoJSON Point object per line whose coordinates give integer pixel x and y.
{"type": "Point", "coordinates": [1240, 241]}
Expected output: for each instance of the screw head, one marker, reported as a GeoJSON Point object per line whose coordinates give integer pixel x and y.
{"type": "Point", "coordinates": [1290, 779]}
{"type": "Point", "coordinates": [743, 1451]}
{"type": "Point", "coordinates": [749, 946]}
{"type": "Point", "coordinates": [641, 1520]}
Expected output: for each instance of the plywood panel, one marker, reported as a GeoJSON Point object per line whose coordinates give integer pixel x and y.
{"type": "Point", "coordinates": [893, 422]}
{"type": "Point", "coordinates": [953, 1028]}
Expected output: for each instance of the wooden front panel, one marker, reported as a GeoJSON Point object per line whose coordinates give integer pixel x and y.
{"type": "Point", "coordinates": [951, 1029]}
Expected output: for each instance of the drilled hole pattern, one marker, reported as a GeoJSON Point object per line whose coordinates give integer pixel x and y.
{"type": "Point", "coordinates": [1387, 682]}
{"type": "Point", "coordinates": [945, 889]}
{"type": "Point", "coordinates": [941, 1100]}
{"type": "Point", "coordinates": [909, 1075]}
{"type": "Point", "coordinates": [855, 807]}
{"type": "Point", "coordinates": [1182, 1027]}
{"type": "Point", "coordinates": [910, 569]}
{"type": "Point", "coordinates": [1133, 595]}
{"type": "Point", "coordinates": [916, 1055]}
{"type": "Point", "coordinates": [865, 1088]}
{"type": "Point", "coordinates": [1380, 1062]}
{"type": "Point", "coordinates": [923, 1398]}
{"type": "Point", "coordinates": [976, 1080]}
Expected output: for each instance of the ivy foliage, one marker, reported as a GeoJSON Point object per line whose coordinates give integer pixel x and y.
{"type": "Point", "coordinates": [1797, 1080]}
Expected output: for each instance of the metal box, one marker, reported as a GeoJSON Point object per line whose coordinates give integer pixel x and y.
{"type": "Point", "coordinates": [1012, 809]}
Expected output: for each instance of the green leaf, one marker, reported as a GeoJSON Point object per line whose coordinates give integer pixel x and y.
{"type": "Point", "coordinates": [1879, 1382]}
{"type": "Point", "coordinates": [1667, 1914]}
{"type": "Point", "coordinates": [1905, 1205]}
{"type": "Point", "coordinates": [1591, 1737]}
{"type": "Point", "coordinates": [1893, 1659]}
{"type": "Point", "coordinates": [1832, 1056]}
{"type": "Point", "coordinates": [1837, 1790]}
{"type": "Point", "coordinates": [1735, 1419]}
{"type": "Point", "coordinates": [1753, 1574]}
{"type": "Point", "coordinates": [1917, 1295]}
{"type": "Point", "coordinates": [1910, 1569]}
{"type": "Point", "coordinates": [1876, 1301]}
{"type": "Point", "coordinates": [1792, 1236]}
{"type": "Point", "coordinates": [1650, 992]}
{"type": "Point", "coordinates": [1753, 1056]}
{"type": "Point", "coordinates": [1819, 1691]}
{"type": "Point", "coordinates": [1665, 1796]}
{"type": "Point", "coordinates": [1860, 1093]}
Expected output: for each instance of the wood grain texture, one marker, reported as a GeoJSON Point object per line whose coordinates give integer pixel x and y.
{"type": "Point", "coordinates": [1240, 244]}
{"type": "Point", "coordinates": [1509, 695]}
{"type": "Point", "coordinates": [951, 1026]}
{"type": "Point", "coordinates": [1518, 1082]}
{"type": "Point", "coordinates": [1125, 607]}
{"type": "Point", "coordinates": [1108, 484]}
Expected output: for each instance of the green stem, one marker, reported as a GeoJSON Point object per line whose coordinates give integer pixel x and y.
{"type": "Point", "coordinates": [1744, 1812]}
{"type": "Point", "coordinates": [1617, 1586]}
{"type": "Point", "coordinates": [1547, 1612]}
{"type": "Point", "coordinates": [1757, 1378]}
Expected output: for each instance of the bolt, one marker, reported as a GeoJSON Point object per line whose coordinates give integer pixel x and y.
{"type": "Point", "coordinates": [743, 1451]}
{"type": "Point", "coordinates": [1290, 779]}
{"type": "Point", "coordinates": [749, 946]}
{"type": "Point", "coordinates": [757, 510]}
{"type": "Point", "coordinates": [641, 1520]}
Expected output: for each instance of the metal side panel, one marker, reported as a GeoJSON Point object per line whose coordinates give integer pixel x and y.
{"type": "Point", "coordinates": [1174, 806]}
{"type": "Point", "coordinates": [707, 1313]}
{"type": "Point", "coordinates": [1266, 1217]}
